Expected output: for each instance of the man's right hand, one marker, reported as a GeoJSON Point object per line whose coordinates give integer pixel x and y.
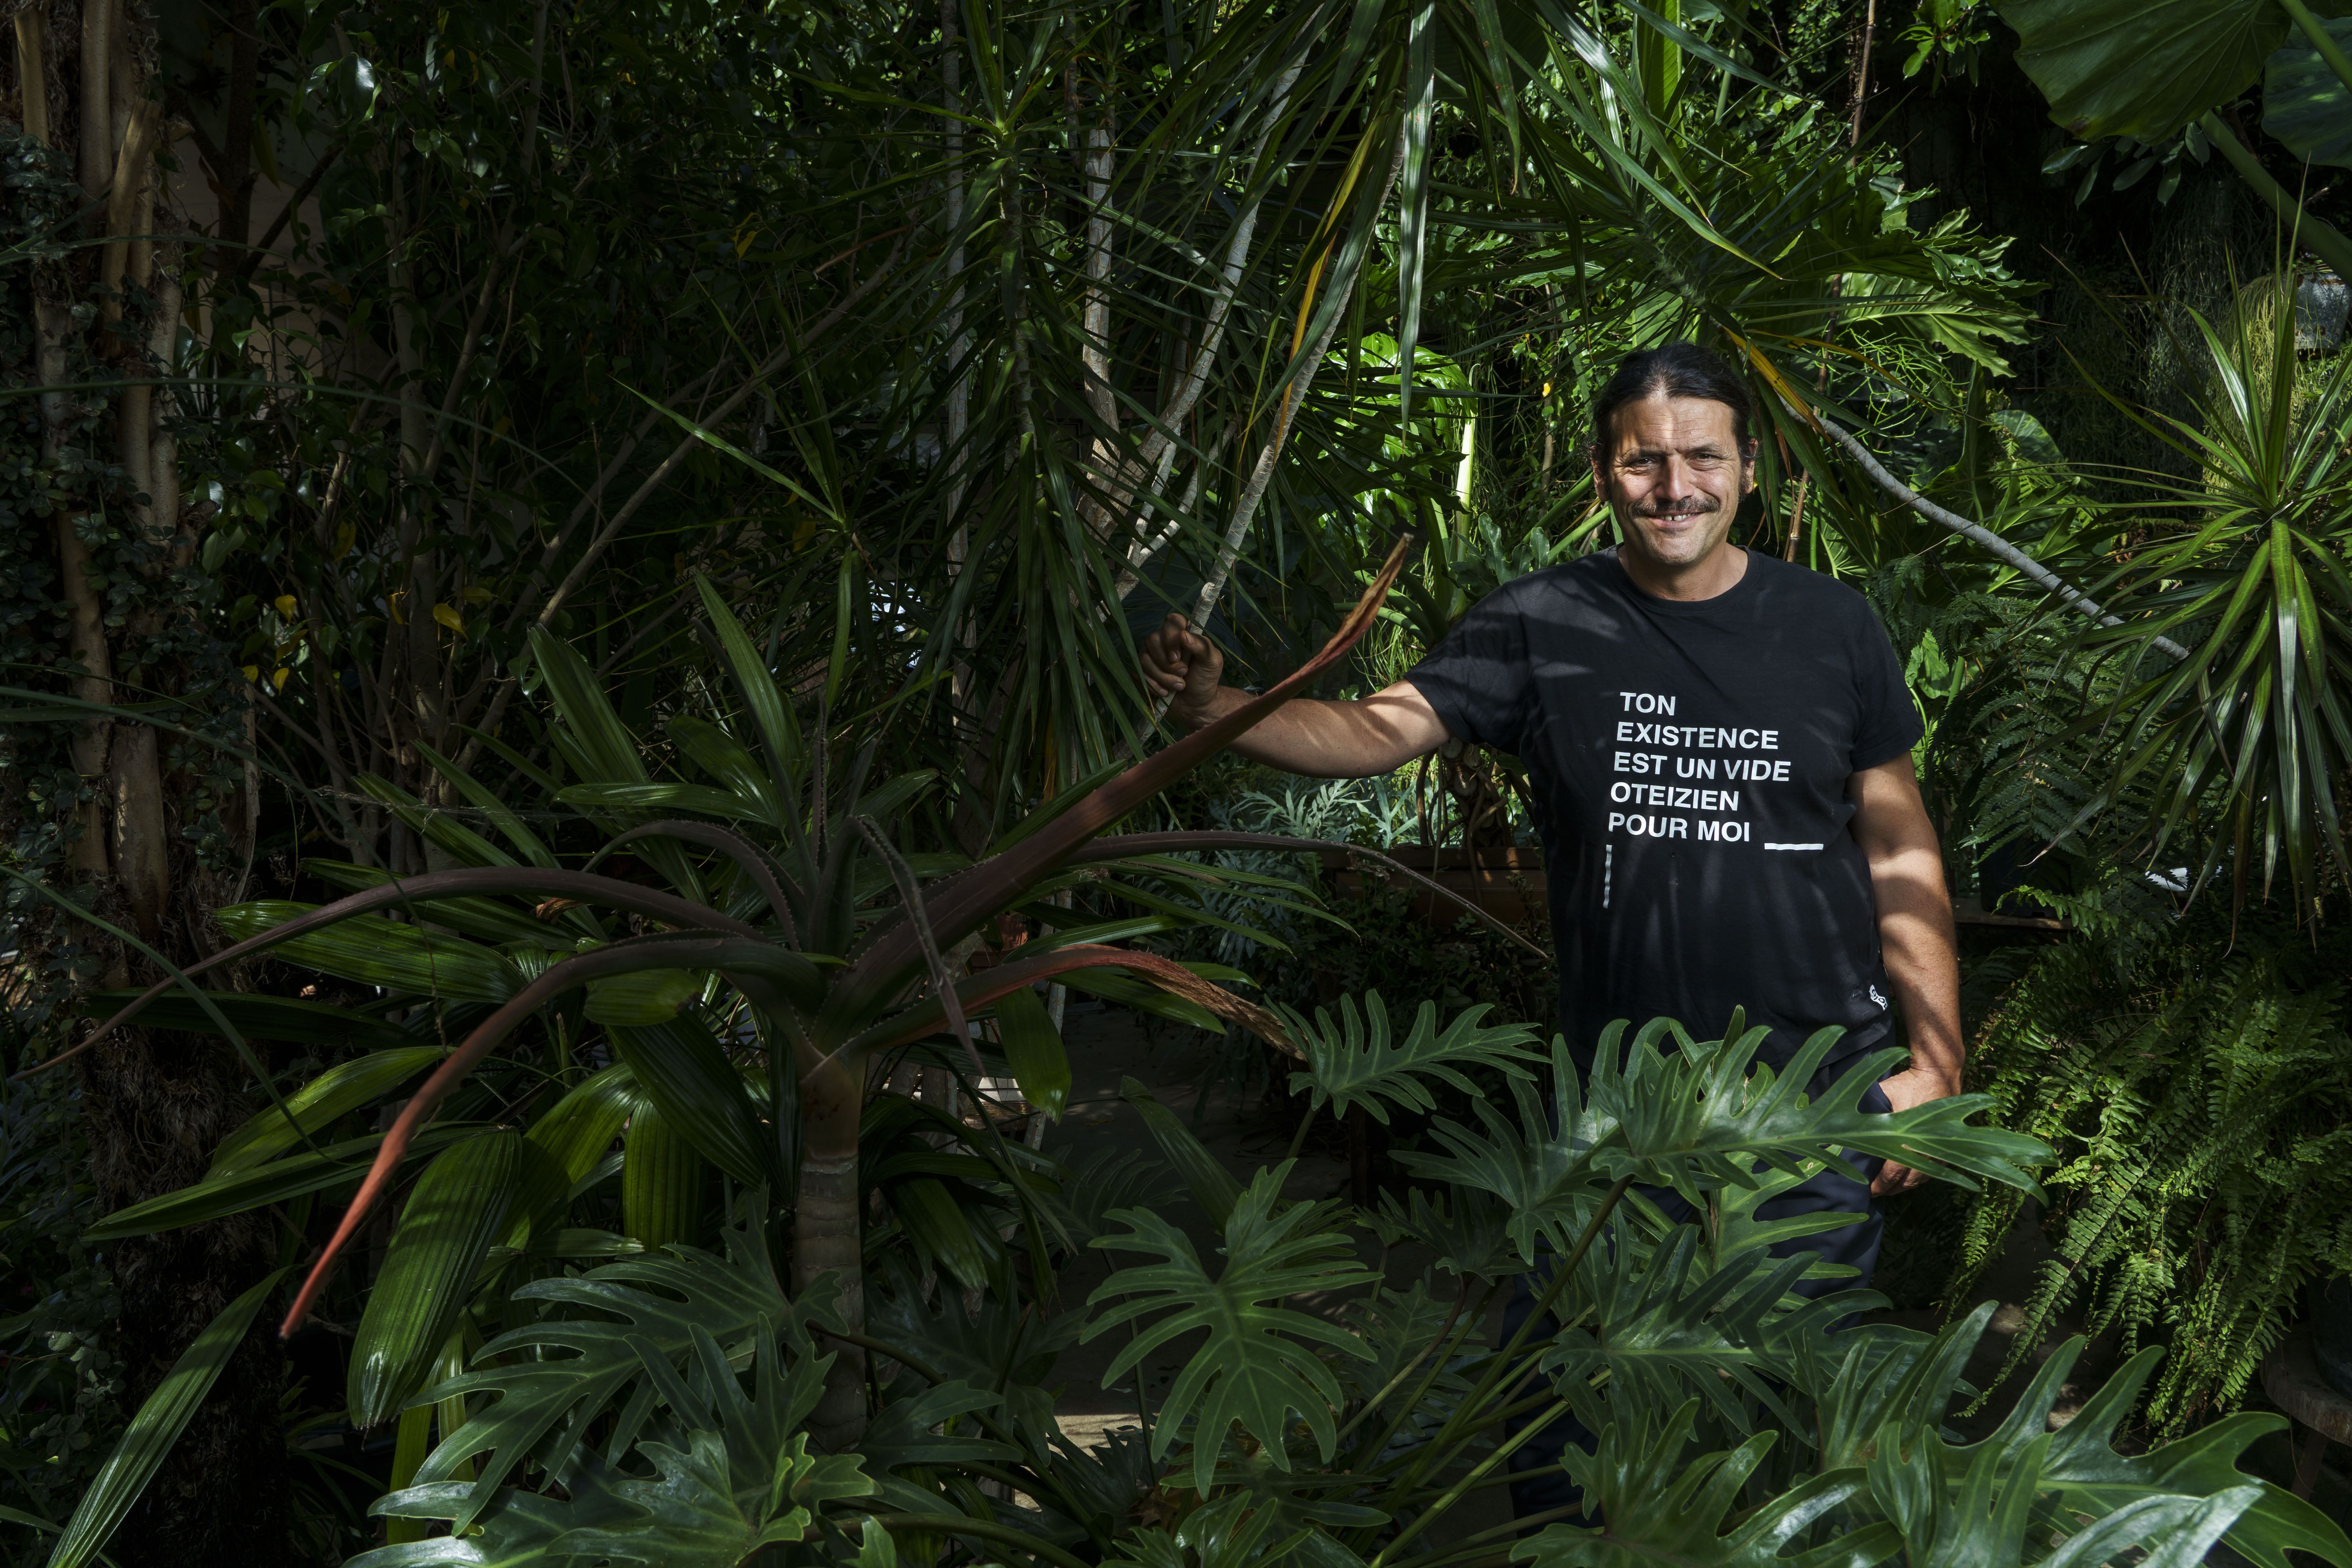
{"type": "Point", "coordinates": [1186, 668]}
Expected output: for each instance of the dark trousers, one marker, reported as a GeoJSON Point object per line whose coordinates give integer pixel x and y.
{"type": "Point", "coordinates": [1841, 1189]}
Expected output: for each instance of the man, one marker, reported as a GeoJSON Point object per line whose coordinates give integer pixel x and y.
{"type": "Point", "coordinates": [1720, 750]}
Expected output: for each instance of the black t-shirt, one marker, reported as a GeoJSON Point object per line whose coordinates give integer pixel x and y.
{"type": "Point", "coordinates": [1689, 762]}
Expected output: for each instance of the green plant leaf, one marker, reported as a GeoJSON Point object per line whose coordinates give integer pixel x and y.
{"type": "Point", "coordinates": [528, 845]}
{"type": "Point", "coordinates": [661, 1181]}
{"type": "Point", "coordinates": [258, 1017]}
{"type": "Point", "coordinates": [604, 742]}
{"type": "Point", "coordinates": [1657, 1510]}
{"type": "Point", "coordinates": [1033, 1049]}
{"type": "Point", "coordinates": [770, 713]}
{"type": "Point", "coordinates": [643, 997]}
{"type": "Point", "coordinates": [679, 1062]}
{"type": "Point", "coordinates": [461, 843]}
{"type": "Point", "coordinates": [660, 798]}
{"type": "Point", "coordinates": [1465, 1227]}
{"type": "Point", "coordinates": [234, 1192]}
{"type": "Point", "coordinates": [719, 754]}
{"type": "Point", "coordinates": [578, 1131]}
{"type": "Point", "coordinates": [567, 1370]}
{"type": "Point", "coordinates": [155, 1430]}
{"type": "Point", "coordinates": [487, 920]}
{"type": "Point", "coordinates": [2305, 103]}
{"type": "Point", "coordinates": [1259, 1361]}
{"type": "Point", "coordinates": [1652, 1325]}
{"type": "Point", "coordinates": [942, 1232]}
{"type": "Point", "coordinates": [1696, 1119]}
{"type": "Point", "coordinates": [2141, 68]}
{"type": "Point", "coordinates": [1212, 1185]}
{"type": "Point", "coordinates": [2087, 1471]}
{"type": "Point", "coordinates": [319, 1103]}
{"type": "Point", "coordinates": [375, 951]}
{"type": "Point", "coordinates": [458, 1209]}
{"type": "Point", "coordinates": [1357, 1063]}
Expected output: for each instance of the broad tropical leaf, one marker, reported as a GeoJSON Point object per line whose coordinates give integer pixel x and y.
{"type": "Point", "coordinates": [2305, 103]}
{"type": "Point", "coordinates": [2142, 68]}
{"type": "Point", "coordinates": [1257, 1365]}
{"type": "Point", "coordinates": [1658, 1510]}
{"type": "Point", "coordinates": [1358, 1061]}
{"type": "Point", "coordinates": [579, 1366]}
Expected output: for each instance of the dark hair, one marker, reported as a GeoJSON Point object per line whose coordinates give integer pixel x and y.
{"type": "Point", "coordinates": [1678, 369]}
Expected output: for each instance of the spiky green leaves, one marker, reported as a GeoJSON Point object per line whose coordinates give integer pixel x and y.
{"type": "Point", "coordinates": [1259, 1363]}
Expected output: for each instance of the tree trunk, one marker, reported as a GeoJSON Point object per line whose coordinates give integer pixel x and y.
{"type": "Point", "coordinates": [156, 1105]}
{"type": "Point", "coordinates": [827, 1237]}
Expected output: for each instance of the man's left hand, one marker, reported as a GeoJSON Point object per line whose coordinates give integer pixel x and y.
{"type": "Point", "coordinates": [1913, 1086]}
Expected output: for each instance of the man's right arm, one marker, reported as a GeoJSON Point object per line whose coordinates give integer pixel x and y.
{"type": "Point", "coordinates": [1321, 740]}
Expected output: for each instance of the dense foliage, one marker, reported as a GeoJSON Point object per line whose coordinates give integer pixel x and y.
{"type": "Point", "coordinates": [567, 584]}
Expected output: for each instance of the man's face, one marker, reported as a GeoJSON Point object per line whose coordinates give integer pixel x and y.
{"type": "Point", "coordinates": [1674, 476]}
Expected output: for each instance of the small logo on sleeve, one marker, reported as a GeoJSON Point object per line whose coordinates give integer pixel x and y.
{"type": "Point", "coordinates": [1876, 998]}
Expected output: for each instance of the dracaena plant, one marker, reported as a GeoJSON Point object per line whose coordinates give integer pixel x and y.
{"type": "Point", "coordinates": [1740, 1424]}
{"type": "Point", "coordinates": [791, 912]}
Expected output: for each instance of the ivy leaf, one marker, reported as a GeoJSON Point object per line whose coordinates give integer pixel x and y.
{"type": "Point", "coordinates": [1258, 1363]}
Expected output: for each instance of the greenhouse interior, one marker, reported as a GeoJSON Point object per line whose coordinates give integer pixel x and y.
{"type": "Point", "coordinates": [1219, 784]}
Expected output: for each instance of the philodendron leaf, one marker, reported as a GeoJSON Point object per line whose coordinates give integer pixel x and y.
{"type": "Point", "coordinates": [2305, 103]}
{"type": "Point", "coordinates": [2085, 1472]}
{"type": "Point", "coordinates": [1464, 1226]}
{"type": "Point", "coordinates": [1357, 1060]}
{"type": "Point", "coordinates": [1260, 1360]}
{"type": "Point", "coordinates": [2141, 68]}
{"type": "Point", "coordinates": [561, 1372]}
{"type": "Point", "coordinates": [1656, 1508]}
{"type": "Point", "coordinates": [457, 1211]}
{"type": "Point", "coordinates": [155, 1430]}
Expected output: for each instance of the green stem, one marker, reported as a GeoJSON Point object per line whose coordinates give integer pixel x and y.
{"type": "Point", "coordinates": [1406, 1371]}
{"type": "Point", "coordinates": [1453, 1494]}
{"type": "Point", "coordinates": [2321, 39]}
{"type": "Point", "coordinates": [1440, 1446]}
{"type": "Point", "coordinates": [1464, 1547]}
{"type": "Point", "coordinates": [964, 1524]}
{"type": "Point", "coordinates": [1298, 1138]}
{"type": "Point", "coordinates": [2323, 239]}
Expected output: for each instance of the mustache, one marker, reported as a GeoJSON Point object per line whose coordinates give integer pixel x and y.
{"type": "Point", "coordinates": [1693, 506]}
